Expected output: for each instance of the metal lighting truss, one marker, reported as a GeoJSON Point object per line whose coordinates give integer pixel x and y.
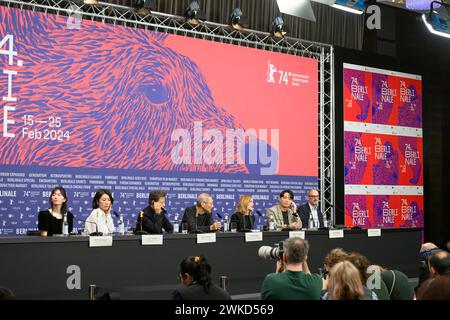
{"type": "Point", "coordinates": [161, 22]}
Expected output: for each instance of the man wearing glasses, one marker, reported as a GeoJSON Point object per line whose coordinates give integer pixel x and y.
{"type": "Point", "coordinates": [311, 210]}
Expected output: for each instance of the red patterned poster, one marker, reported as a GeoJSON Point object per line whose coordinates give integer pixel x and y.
{"type": "Point", "coordinates": [383, 148]}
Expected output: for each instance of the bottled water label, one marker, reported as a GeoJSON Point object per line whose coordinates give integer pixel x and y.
{"type": "Point", "coordinates": [65, 229]}
{"type": "Point", "coordinates": [271, 226]}
{"type": "Point", "coordinates": [176, 227]}
{"type": "Point", "coordinates": [121, 229]}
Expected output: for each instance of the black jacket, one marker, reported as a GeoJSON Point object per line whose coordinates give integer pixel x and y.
{"type": "Point", "coordinates": [202, 222]}
{"type": "Point", "coordinates": [304, 212]}
{"type": "Point", "coordinates": [152, 222]}
{"type": "Point", "coordinates": [196, 292]}
{"type": "Point", "coordinates": [243, 222]}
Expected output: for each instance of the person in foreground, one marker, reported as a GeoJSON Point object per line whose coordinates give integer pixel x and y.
{"type": "Point", "coordinates": [243, 217]}
{"type": "Point", "coordinates": [196, 284]}
{"type": "Point", "coordinates": [153, 218]}
{"type": "Point", "coordinates": [50, 221]}
{"type": "Point", "coordinates": [294, 281]}
{"type": "Point", "coordinates": [345, 283]}
{"type": "Point", "coordinates": [100, 219]}
{"type": "Point", "coordinates": [198, 217]}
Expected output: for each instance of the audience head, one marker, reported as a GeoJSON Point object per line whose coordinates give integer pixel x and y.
{"type": "Point", "coordinates": [361, 263]}
{"type": "Point", "coordinates": [426, 250]}
{"type": "Point", "coordinates": [103, 199]}
{"type": "Point", "coordinates": [157, 200]}
{"type": "Point", "coordinates": [195, 270]}
{"type": "Point", "coordinates": [58, 196]}
{"type": "Point", "coordinates": [6, 294]}
{"type": "Point", "coordinates": [295, 250]}
{"type": "Point", "coordinates": [345, 282]}
{"type": "Point", "coordinates": [439, 263]}
{"type": "Point", "coordinates": [333, 257]}
{"type": "Point", "coordinates": [245, 204]}
{"type": "Point", "coordinates": [286, 198]}
{"type": "Point", "coordinates": [205, 202]}
{"type": "Point", "coordinates": [313, 197]}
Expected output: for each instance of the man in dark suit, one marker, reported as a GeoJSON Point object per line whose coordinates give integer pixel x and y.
{"type": "Point", "coordinates": [311, 210]}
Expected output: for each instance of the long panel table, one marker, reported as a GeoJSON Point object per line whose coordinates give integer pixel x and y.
{"type": "Point", "coordinates": [43, 268]}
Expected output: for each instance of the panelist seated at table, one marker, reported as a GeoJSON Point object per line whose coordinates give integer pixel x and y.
{"type": "Point", "coordinates": [311, 211]}
{"type": "Point", "coordinates": [243, 216]}
{"type": "Point", "coordinates": [50, 221]}
{"type": "Point", "coordinates": [199, 218]}
{"type": "Point", "coordinates": [154, 219]}
{"type": "Point", "coordinates": [284, 214]}
{"type": "Point", "coordinates": [100, 220]}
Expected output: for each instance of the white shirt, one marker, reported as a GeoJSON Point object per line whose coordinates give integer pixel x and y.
{"type": "Point", "coordinates": [104, 222]}
{"type": "Point", "coordinates": [314, 214]}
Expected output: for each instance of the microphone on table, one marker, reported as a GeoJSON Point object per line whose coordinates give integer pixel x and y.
{"type": "Point", "coordinates": [196, 230]}
{"type": "Point", "coordinates": [96, 233]}
{"type": "Point", "coordinates": [141, 231]}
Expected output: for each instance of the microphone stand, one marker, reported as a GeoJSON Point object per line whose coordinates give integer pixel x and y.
{"type": "Point", "coordinates": [265, 228]}
{"type": "Point", "coordinates": [244, 229]}
{"type": "Point", "coordinates": [96, 233]}
{"type": "Point", "coordinates": [140, 232]}
{"type": "Point", "coordinates": [196, 230]}
{"type": "Point", "coordinates": [288, 228]}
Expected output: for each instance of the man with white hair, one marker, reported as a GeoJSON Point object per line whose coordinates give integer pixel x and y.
{"type": "Point", "coordinates": [198, 217]}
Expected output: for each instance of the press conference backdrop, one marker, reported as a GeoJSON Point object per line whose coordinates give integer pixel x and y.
{"type": "Point", "coordinates": [88, 105]}
{"type": "Point", "coordinates": [383, 148]}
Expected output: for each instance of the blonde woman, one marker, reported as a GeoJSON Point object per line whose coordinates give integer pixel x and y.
{"type": "Point", "coordinates": [243, 217]}
{"type": "Point", "coordinates": [345, 283]}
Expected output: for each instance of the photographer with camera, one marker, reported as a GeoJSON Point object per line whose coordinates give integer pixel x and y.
{"type": "Point", "coordinates": [293, 280]}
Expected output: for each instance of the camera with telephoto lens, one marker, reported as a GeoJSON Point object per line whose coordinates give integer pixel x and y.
{"type": "Point", "coordinates": [274, 253]}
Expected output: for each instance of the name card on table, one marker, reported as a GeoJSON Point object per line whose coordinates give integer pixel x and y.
{"type": "Point", "coordinates": [206, 237]}
{"type": "Point", "coordinates": [253, 236]}
{"type": "Point", "coordinates": [333, 234]}
{"type": "Point", "coordinates": [298, 234]}
{"type": "Point", "coordinates": [152, 239]}
{"type": "Point", "coordinates": [103, 241]}
{"type": "Point", "coordinates": [374, 232]}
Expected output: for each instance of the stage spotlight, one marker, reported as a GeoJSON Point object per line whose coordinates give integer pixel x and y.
{"type": "Point", "coordinates": [144, 7]}
{"type": "Point", "coordinates": [297, 8]}
{"type": "Point", "coordinates": [193, 13]}
{"type": "Point", "coordinates": [237, 20]}
{"type": "Point", "coordinates": [279, 29]}
{"type": "Point", "coordinates": [438, 19]}
{"type": "Point", "coordinates": [419, 4]}
{"type": "Point", "coordinates": [353, 6]}
{"type": "Point", "coordinates": [90, 1]}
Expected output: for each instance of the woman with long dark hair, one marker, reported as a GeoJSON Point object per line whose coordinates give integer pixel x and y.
{"type": "Point", "coordinates": [195, 278]}
{"type": "Point", "coordinates": [50, 221]}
